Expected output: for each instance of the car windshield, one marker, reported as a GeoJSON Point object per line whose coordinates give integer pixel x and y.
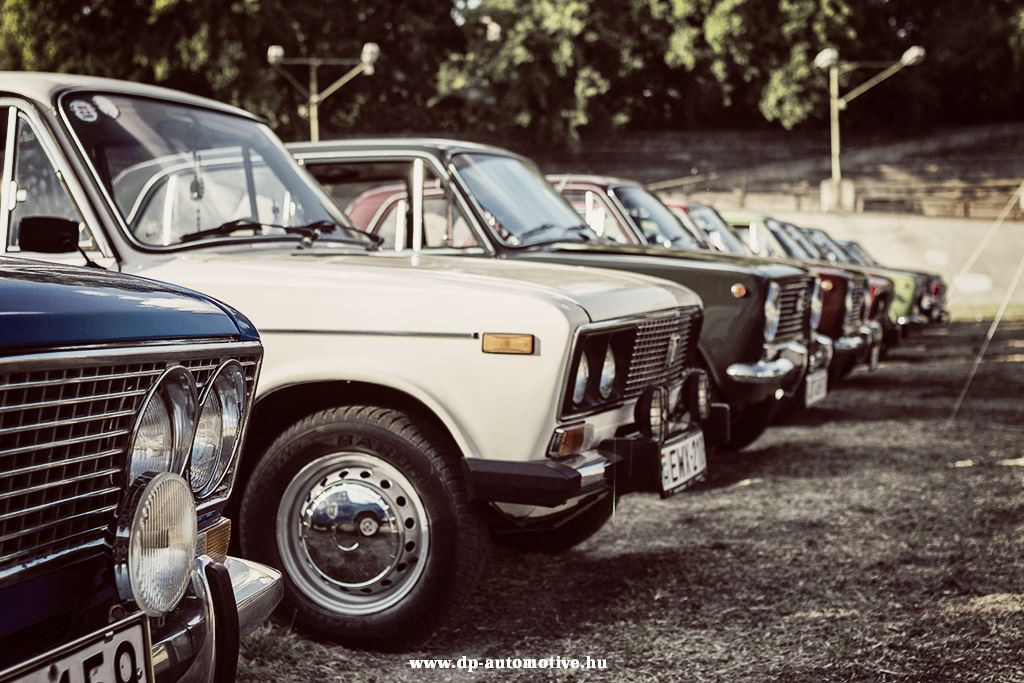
{"type": "Point", "coordinates": [858, 254]}
{"type": "Point", "coordinates": [718, 232]}
{"type": "Point", "coordinates": [657, 223]}
{"type": "Point", "coordinates": [797, 235]}
{"type": "Point", "coordinates": [175, 170]}
{"type": "Point", "coordinates": [760, 239]}
{"type": "Point", "coordinates": [792, 247]}
{"type": "Point", "coordinates": [517, 203]}
{"type": "Point", "coordinates": [833, 250]}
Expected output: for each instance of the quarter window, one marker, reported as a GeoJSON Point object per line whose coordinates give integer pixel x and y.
{"type": "Point", "coordinates": [37, 188]}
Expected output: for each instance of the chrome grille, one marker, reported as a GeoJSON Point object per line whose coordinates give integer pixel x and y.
{"type": "Point", "coordinates": [852, 319]}
{"type": "Point", "coordinates": [64, 432]}
{"type": "Point", "coordinates": [650, 362]}
{"type": "Point", "coordinates": [795, 308]}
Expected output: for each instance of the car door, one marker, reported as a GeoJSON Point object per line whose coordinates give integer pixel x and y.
{"type": "Point", "coordinates": [404, 199]}
{"type": "Point", "coordinates": [37, 182]}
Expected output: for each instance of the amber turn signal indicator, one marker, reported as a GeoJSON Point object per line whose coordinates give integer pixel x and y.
{"type": "Point", "coordinates": [826, 285]}
{"type": "Point", "coordinates": [738, 290]}
{"type": "Point", "coordinates": [214, 541]}
{"type": "Point", "coordinates": [568, 441]}
{"type": "Point", "coordinates": [495, 342]}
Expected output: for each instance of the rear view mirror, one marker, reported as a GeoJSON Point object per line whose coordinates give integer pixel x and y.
{"type": "Point", "coordinates": [48, 234]}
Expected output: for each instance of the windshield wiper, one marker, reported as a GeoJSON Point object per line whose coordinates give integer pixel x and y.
{"type": "Point", "coordinates": [582, 231]}
{"type": "Point", "coordinates": [309, 232]}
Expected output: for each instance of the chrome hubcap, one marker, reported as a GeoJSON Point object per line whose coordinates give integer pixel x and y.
{"type": "Point", "coordinates": [353, 532]}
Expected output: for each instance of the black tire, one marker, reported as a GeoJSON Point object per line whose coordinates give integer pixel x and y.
{"type": "Point", "coordinates": [458, 543]}
{"type": "Point", "coordinates": [561, 536]}
{"type": "Point", "coordinates": [750, 423]}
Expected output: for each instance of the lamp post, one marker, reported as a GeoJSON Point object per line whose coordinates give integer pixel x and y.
{"type": "Point", "coordinates": [314, 96]}
{"type": "Point", "coordinates": [828, 59]}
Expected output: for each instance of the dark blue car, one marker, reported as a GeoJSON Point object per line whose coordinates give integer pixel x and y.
{"type": "Point", "coordinates": [122, 406]}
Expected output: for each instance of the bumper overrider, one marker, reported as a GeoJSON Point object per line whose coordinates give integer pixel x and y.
{"type": "Point", "coordinates": [199, 641]}
{"type": "Point", "coordinates": [621, 464]}
{"type": "Point", "coordinates": [782, 366]}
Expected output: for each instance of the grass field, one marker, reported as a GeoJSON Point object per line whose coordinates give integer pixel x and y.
{"type": "Point", "coordinates": [867, 539]}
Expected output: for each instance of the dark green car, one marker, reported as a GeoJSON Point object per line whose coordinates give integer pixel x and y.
{"type": "Point", "coordinates": [479, 201]}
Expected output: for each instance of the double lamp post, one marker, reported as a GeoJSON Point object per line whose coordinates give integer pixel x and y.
{"type": "Point", "coordinates": [314, 96]}
{"type": "Point", "coordinates": [828, 60]}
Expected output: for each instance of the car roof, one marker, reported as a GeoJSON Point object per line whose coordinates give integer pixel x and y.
{"type": "Point", "coordinates": [45, 88]}
{"type": "Point", "coordinates": [436, 146]}
{"type": "Point", "coordinates": [591, 179]}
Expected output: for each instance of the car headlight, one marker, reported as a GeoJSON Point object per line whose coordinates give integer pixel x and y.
{"type": "Point", "coordinates": [848, 299]}
{"type": "Point", "coordinates": [220, 425]}
{"type": "Point", "coordinates": [817, 304]}
{"type": "Point", "coordinates": [163, 435]}
{"type": "Point", "coordinates": [606, 385]}
{"type": "Point", "coordinates": [772, 313]}
{"type": "Point", "coordinates": [579, 389]}
{"type": "Point", "coordinates": [155, 542]}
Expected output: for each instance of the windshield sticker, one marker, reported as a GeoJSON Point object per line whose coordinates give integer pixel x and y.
{"type": "Point", "coordinates": [107, 106]}
{"type": "Point", "coordinates": [83, 111]}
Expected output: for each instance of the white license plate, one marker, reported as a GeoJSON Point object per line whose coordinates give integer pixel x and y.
{"type": "Point", "coordinates": [681, 461]}
{"type": "Point", "coordinates": [816, 387]}
{"type": "Point", "coordinates": [875, 356]}
{"type": "Point", "coordinates": [118, 653]}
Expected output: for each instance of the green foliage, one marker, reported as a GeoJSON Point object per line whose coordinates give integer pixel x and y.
{"type": "Point", "coordinates": [552, 70]}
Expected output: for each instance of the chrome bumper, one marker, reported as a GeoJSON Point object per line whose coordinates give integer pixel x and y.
{"type": "Point", "coordinates": [779, 364]}
{"type": "Point", "coordinates": [188, 639]}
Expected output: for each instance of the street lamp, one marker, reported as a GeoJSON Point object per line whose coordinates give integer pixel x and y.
{"type": "Point", "coordinates": [365, 64]}
{"type": "Point", "coordinates": [828, 59]}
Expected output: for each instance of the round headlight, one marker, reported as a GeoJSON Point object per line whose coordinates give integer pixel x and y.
{"type": "Point", "coordinates": [817, 305]}
{"type": "Point", "coordinates": [607, 382]}
{"type": "Point", "coordinates": [220, 424]}
{"type": "Point", "coordinates": [156, 541]}
{"type": "Point", "coordinates": [772, 312]}
{"type": "Point", "coordinates": [579, 389]}
{"type": "Point", "coordinates": [163, 434]}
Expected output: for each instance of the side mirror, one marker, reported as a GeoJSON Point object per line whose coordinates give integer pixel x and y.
{"type": "Point", "coordinates": [48, 234]}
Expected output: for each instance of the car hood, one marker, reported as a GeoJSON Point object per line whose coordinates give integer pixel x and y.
{"type": "Point", "coordinates": [43, 305]}
{"type": "Point", "coordinates": [428, 291]}
{"type": "Point", "coordinates": [712, 260]}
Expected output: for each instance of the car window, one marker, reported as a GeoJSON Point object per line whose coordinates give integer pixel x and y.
{"type": "Point", "coordinates": [374, 195]}
{"type": "Point", "coordinates": [658, 224]}
{"type": "Point", "coordinates": [594, 209]}
{"type": "Point", "coordinates": [37, 187]}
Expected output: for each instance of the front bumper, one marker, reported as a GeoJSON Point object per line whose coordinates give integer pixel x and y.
{"type": "Point", "coordinates": [199, 640]}
{"type": "Point", "coordinates": [781, 366]}
{"type": "Point", "coordinates": [620, 465]}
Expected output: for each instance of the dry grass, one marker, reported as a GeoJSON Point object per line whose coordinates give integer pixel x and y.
{"type": "Point", "coordinates": [865, 540]}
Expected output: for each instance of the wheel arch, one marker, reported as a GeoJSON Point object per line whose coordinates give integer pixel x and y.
{"type": "Point", "coordinates": [275, 411]}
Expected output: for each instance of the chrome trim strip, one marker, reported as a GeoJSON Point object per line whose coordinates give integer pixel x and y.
{"type": "Point", "coordinates": [40, 527]}
{"type": "Point", "coordinates": [124, 352]}
{"type": "Point", "coordinates": [71, 401]}
{"type": "Point", "coordinates": [62, 442]}
{"type": "Point", "coordinates": [373, 333]}
{"type": "Point", "coordinates": [70, 421]}
{"type": "Point", "coordinates": [54, 503]}
{"type": "Point", "coordinates": [258, 590]}
{"type": "Point", "coordinates": [63, 482]}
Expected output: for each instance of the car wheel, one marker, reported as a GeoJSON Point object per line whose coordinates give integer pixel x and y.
{"type": "Point", "coordinates": [395, 585]}
{"type": "Point", "coordinates": [750, 423]}
{"type": "Point", "coordinates": [559, 535]}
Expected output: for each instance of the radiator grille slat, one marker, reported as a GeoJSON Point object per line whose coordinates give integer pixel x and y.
{"type": "Point", "coordinates": [652, 362]}
{"type": "Point", "coordinates": [64, 435]}
{"type": "Point", "coordinates": [794, 306]}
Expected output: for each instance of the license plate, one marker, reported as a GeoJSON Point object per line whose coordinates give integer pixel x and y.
{"type": "Point", "coordinates": [681, 461]}
{"type": "Point", "coordinates": [816, 387]}
{"type": "Point", "coordinates": [874, 357]}
{"type": "Point", "coordinates": [120, 652]}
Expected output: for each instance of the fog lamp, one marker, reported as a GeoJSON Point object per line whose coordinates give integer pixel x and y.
{"type": "Point", "coordinates": [652, 414]}
{"type": "Point", "coordinates": [155, 542]}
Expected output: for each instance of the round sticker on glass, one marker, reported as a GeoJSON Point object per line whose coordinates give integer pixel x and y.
{"type": "Point", "coordinates": [107, 106]}
{"type": "Point", "coordinates": [83, 111]}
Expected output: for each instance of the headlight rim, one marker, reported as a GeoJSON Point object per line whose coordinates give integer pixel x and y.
{"type": "Point", "coordinates": [179, 436]}
{"type": "Point", "coordinates": [817, 304]}
{"type": "Point", "coordinates": [220, 472]}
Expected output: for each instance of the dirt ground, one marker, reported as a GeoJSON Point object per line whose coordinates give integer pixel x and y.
{"type": "Point", "coordinates": [866, 539]}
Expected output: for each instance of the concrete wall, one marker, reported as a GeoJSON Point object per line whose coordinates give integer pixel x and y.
{"type": "Point", "coordinates": [940, 245]}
